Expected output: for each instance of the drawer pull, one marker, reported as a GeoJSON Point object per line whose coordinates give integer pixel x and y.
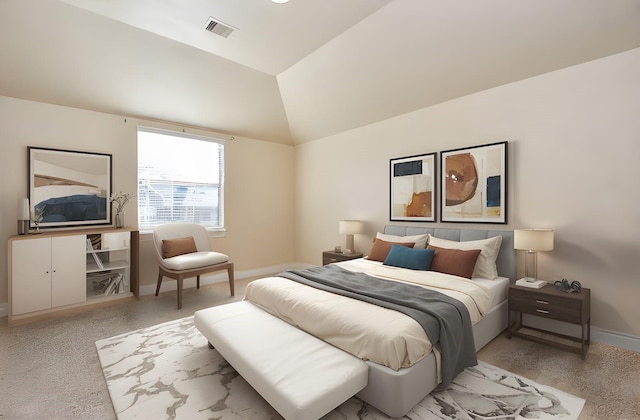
{"type": "Point", "coordinates": [542, 311]}
{"type": "Point", "coordinates": [544, 302]}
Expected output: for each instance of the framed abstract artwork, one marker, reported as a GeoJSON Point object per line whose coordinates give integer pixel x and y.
{"type": "Point", "coordinates": [68, 188]}
{"type": "Point", "coordinates": [412, 182]}
{"type": "Point", "coordinates": [474, 184]}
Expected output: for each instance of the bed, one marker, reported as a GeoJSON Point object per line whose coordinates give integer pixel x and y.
{"type": "Point", "coordinates": [395, 387]}
{"type": "Point", "coordinates": [403, 365]}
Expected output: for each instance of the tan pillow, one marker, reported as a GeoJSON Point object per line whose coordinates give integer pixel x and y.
{"type": "Point", "coordinates": [178, 246]}
{"type": "Point", "coordinates": [380, 249]}
{"type": "Point", "coordinates": [457, 262]}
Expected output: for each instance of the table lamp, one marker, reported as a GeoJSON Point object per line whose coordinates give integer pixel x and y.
{"type": "Point", "coordinates": [532, 241]}
{"type": "Point", "coordinates": [349, 228]}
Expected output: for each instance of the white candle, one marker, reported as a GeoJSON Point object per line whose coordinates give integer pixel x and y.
{"type": "Point", "coordinates": [23, 209]}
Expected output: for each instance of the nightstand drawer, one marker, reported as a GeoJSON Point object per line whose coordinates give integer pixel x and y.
{"type": "Point", "coordinates": [544, 305]}
{"type": "Point", "coordinates": [328, 260]}
{"type": "Point", "coordinates": [329, 257]}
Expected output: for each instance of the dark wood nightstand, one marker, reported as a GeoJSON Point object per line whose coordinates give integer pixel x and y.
{"type": "Point", "coordinates": [329, 257]}
{"type": "Point", "coordinates": [549, 302]}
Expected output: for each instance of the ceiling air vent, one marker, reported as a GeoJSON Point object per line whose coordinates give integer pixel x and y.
{"type": "Point", "coordinates": [218, 28]}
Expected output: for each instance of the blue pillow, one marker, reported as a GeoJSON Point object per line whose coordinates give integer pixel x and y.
{"type": "Point", "coordinates": [411, 258]}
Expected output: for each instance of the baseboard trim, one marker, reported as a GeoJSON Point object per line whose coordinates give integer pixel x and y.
{"type": "Point", "coordinates": [615, 339]}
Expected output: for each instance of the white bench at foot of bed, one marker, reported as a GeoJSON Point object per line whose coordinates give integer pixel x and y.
{"type": "Point", "coordinates": [301, 376]}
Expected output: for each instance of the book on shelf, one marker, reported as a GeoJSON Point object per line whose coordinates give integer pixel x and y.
{"type": "Point", "coordinates": [95, 239]}
{"type": "Point", "coordinates": [112, 285]}
{"type": "Point", "coordinates": [108, 283]}
{"type": "Point", "coordinates": [95, 255]}
{"type": "Point", "coordinates": [124, 284]}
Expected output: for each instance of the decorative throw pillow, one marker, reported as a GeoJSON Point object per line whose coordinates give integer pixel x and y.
{"type": "Point", "coordinates": [380, 249]}
{"type": "Point", "coordinates": [420, 241]}
{"type": "Point", "coordinates": [178, 246]}
{"type": "Point", "coordinates": [411, 258]}
{"type": "Point", "coordinates": [489, 248]}
{"type": "Point", "coordinates": [457, 262]}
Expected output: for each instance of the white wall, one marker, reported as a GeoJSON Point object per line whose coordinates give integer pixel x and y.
{"type": "Point", "coordinates": [259, 181]}
{"type": "Point", "coordinates": [573, 151]}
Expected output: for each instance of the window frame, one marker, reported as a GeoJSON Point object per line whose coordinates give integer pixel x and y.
{"type": "Point", "coordinates": [212, 230]}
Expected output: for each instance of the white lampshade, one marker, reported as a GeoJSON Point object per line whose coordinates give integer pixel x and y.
{"type": "Point", "coordinates": [350, 227]}
{"type": "Point", "coordinates": [23, 209]}
{"type": "Point", "coordinates": [533, 239]}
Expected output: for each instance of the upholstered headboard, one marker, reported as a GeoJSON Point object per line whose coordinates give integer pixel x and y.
{"type": "Point", "coordinates": [506, 261]}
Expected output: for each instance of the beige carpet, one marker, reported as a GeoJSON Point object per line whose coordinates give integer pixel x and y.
{"type": "Point", "coordinates": [50, 369]}
{"type": "Point", "coordinates": [168, 371]}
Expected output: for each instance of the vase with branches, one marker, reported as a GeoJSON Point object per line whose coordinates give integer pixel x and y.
{"type": "Point", "coordinates": [37, 217]}
{"type": "Point", "coordinates": [119, 200]}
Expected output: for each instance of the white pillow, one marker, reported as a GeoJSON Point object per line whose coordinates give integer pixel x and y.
{"type": "Point", "coordinates": [489, 248]}
{"type": "Point", "coordinates": [419, 241]}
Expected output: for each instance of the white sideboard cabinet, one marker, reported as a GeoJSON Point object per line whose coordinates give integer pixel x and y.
{"type": "Point", "coordinates": [48, 272]}
{"type": "Point", "coordinates": [68, 271]}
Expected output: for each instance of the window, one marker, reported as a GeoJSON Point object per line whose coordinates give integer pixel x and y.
{"type": "Point", "coordinates": [180, 179]}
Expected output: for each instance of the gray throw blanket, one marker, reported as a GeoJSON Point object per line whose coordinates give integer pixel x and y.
{"type": "Point", "coordinates": [445, 320]}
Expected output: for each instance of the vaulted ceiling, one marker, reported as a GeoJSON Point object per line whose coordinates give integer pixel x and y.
{"type": "Point", "coordinates": [293, 72]}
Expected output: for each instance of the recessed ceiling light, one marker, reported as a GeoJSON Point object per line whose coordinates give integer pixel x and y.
{"type": "Point", "coordinates": [280, 1]}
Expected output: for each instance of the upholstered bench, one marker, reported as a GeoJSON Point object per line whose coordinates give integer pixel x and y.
{"type": "Point", "coordinates": [301, 376]}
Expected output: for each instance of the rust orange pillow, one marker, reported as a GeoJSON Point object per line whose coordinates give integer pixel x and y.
{"type": "Point", "coordinates": [380, 249]}
{"type": "Point", "coordinates": [457, 262]}
{"type": "Point", "coordinates": [178, 246]}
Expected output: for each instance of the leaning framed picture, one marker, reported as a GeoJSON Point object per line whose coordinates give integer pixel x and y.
{"type": "Point", "coordinates": [412, 195]}
{"type": "Point", "coordinates": [68, 188]}
{"type": "Point", "coordinates": [474, 184]}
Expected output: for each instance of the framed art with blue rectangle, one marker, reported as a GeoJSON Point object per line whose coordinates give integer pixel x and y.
{"type": "Point", "coordinates": [474, 184]}
{"type": "Point", "coordinates": [68, 188]}
{"type": "Point", "coordinates": [412, 182]}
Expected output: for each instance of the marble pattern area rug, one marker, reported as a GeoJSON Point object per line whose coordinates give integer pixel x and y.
{"type": "Point", "coordinates": [167, 371]}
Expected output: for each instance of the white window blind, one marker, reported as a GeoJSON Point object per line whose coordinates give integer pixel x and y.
{"type": "Point", "coordinates": [180, 179]}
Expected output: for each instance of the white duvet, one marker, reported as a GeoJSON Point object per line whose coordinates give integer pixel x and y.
{"type": "Point", "coordinates": [370, 332]}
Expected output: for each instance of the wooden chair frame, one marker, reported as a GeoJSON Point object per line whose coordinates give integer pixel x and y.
{"type": "Point", "coordinates": [180, 275]}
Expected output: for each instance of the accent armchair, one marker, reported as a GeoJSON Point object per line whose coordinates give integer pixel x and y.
{"type": "Point", "coordinates": [183, 251]}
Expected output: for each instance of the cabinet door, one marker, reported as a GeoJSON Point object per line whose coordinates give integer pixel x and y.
{"type": "Point", "coordinates": [68, 267]}
{"type": "Point", "coordinates": [31, 275]}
